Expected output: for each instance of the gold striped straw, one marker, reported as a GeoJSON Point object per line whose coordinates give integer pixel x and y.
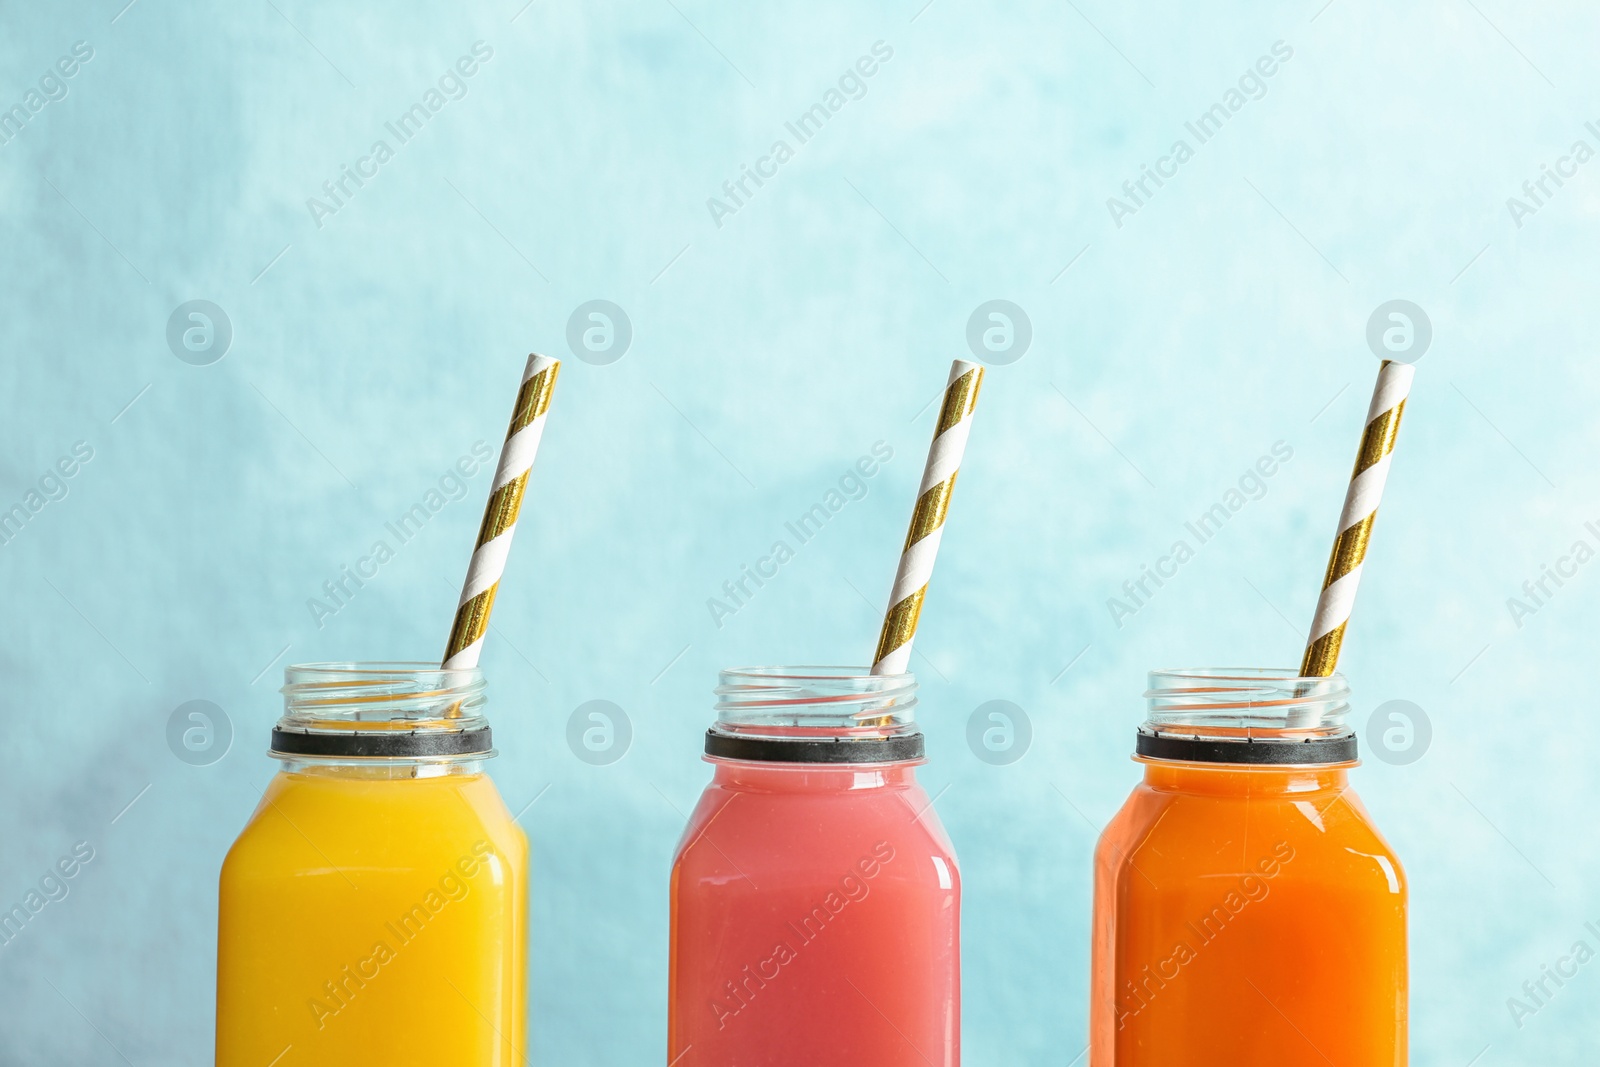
{"type": "Point", "coordinates": [1355, 523]}
{"type": "Point", "coordinates": [927, 520]}
{"type": "Point", "coordinates": [500, 516]}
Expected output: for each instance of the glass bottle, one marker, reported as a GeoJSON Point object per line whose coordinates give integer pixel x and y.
{"type": "Point", "coordinates": [815, 896]}
{"type": "Point", "coordinates": [374, 908]}
{"type": "Point", "coordinates": [1246, 910]}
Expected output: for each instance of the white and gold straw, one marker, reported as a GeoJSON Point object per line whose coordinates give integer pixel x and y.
{"type": "Point", "coordinates": [1355, 523]}
{"type": "Point", "coordinates": [500, 516]}
{"type": "Point", "coordinates": [927, 521]}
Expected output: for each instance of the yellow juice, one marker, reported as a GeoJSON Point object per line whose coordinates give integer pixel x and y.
{"type": "Point", "coordinates": [369, 916]}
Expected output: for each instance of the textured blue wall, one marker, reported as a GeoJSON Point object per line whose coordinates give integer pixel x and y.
{"type": "Point", "coordinates": [775, 338]}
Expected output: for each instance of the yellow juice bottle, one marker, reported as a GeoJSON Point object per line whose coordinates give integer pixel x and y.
{"type": "Point", "coordinates": [374, 909]}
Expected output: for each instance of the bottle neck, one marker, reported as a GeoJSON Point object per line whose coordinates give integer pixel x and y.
{"type": "Point", "coordinates": [409, 715]}
{"type": "Point", "coordinates": [1247, 716]}
{"type": "Point", "coordinates": [1223, 779]}
{"type": "Point", "coordinates": [815, 715]}
{"type": "Point", "coordinates": [766, 777]}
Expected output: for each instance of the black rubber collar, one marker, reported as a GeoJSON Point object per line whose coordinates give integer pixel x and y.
{"type": "Point", "coordinates": [816, 750]}
{"type": "Point", "coordinates": [380, 743]}
{"type": "Point", "coordinates": [1189, 748]}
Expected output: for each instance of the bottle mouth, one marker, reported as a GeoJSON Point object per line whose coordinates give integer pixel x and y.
{"type": "Point", "coordinates": [382, 710]}
{"type": "Point", "coordinates": [826, 714]}
{"type": "Point", "coordinates": [1247, 715]}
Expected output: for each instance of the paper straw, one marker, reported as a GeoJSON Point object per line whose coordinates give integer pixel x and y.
{"type": "Point", "coordinates": [1355, 523]}
{"type": "Point", "coordinates": [927, 521]}
{"type": "Point", "coordinates": [500, 515]}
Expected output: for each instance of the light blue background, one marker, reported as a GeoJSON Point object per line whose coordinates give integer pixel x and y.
{"type": "Point", "coordinates": [768, 354]}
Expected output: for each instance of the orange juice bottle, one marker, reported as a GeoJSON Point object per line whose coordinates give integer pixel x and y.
{"type": "Point", "coordinates": [374, 909]}
{"type": "Point", "coordinates": [1247, 912]}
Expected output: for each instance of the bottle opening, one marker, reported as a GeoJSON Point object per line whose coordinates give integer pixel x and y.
{"type": "Point", "coordinates": [1258, 715]}
{"type": "Point", "coordinates": [382, 710]}
{"type": "Point", "coordinates": [815, 715]}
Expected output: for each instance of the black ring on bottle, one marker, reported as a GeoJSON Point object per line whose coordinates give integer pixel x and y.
{"type": "Point", "coordinates": [379, 743]}
{"type": "Point", "coordinates": [1311, 751]}
{"type": "Point", "coordinates": [815, 749]}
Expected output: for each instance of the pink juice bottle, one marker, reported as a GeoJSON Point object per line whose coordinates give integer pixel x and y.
{"type": "Point", "coordinates": [815, 898]}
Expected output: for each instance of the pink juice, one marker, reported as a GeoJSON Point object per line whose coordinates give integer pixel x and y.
{"type": "Point", "coordinates": [815, 899]}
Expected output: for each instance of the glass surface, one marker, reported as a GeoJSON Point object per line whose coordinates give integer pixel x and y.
{"type": "Point", "coordinates": [360, 698]}
{"type": "Point", "coordinates": [1240, 702]}
{"type": "Point", "coordinates": [815, 908]}
{"type": "Point", "coordinates": [374, 910]}
{"type": "Point", "coordinates": [802, 702]}
{"type": "Point", "coordinates": [1247, 916]}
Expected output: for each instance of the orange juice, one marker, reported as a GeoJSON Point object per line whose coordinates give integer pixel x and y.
{"type": "Point", "coordinates": [373, 910]}
{"type": "Point", "coordinates": [1247, 912]}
